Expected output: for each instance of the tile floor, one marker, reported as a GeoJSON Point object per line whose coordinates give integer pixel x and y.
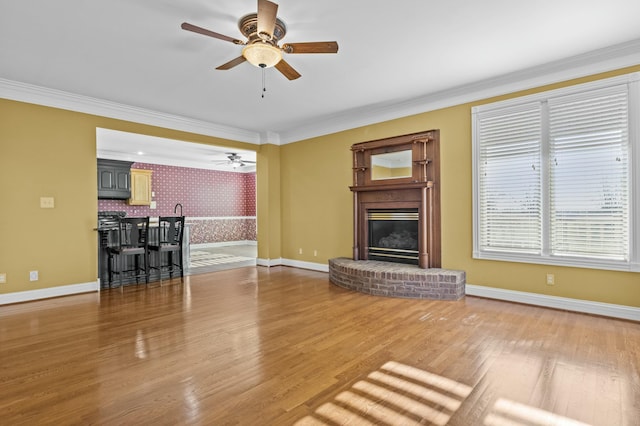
{"type": "Point", "coordinates": [213, 259]}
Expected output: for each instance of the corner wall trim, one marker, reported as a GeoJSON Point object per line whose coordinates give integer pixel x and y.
{"type": "Point", "coordinates": [576, 305]}
{"type": "Point", "coordinates": [269, 262]}
{"type": "Point", "coordinates": [45, 293]}
{"type": "Point", "coordinates": [320, 267]}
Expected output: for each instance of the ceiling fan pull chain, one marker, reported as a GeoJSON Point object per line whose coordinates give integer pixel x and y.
{"type": "Point", "coordinates": [264, 85]}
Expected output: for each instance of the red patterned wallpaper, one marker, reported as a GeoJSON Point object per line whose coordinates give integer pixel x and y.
{"type": "Point", "coordinates": [202, 193]}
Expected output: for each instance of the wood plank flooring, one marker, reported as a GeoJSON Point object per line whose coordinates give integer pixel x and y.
{"type": "Point", "coordinates": [282, 346]}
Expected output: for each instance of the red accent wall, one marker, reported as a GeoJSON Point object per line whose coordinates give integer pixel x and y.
{"type": "Point", "coordinates": [202, 193]}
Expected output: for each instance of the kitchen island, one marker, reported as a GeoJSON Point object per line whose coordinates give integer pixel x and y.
{"type": "Point", "coordinates": [108, 237]}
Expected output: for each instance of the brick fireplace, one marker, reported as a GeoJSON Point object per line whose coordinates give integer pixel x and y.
{"type": "Point", "coordinates": [396, 229]}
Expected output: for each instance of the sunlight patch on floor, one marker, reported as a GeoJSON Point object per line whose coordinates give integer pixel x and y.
{"type": "Point", "coordinates": [510, 413]}
{"type": "Point", "coordinates": [397, 393]}
{"type": "Point", "coordinates": [394, 394]}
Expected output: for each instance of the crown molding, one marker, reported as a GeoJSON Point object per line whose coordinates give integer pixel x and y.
{"type": "Point", "coordinates": [590, 63]}
{"type": "Point", "coordinates": [594, 62]}
{"type": "Point", "coordinates": [269, 137]}
{"type": "Point", "coordinates": [29, 93]}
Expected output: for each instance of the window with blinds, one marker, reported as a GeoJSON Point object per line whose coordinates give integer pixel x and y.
{"type": "Point", "coordinates": [510, 183]}
{"type": "Point", "coordinates": [589, 175]}
{"type": "Point", "coordinates": [553, 177]}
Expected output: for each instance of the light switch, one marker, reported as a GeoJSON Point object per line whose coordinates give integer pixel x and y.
{"type": "Point", "coordinates": [46, 202]}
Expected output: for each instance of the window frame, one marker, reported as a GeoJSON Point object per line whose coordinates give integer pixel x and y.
{"type": "Point", "coordinates": [632, 82]}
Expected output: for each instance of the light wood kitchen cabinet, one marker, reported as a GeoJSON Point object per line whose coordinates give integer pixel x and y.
{"type": "Point", "coordinates": [140, 187]}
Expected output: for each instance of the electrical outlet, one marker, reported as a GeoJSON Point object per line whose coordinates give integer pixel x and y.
{"type": "Point", "coordinates": [315, 253]}
{"type": "Point", "coordinates": [33, 275]}
{"type": "Point", "coordinates": [47, 203]}
{"type": "Point", "coordinates": [300, 251]}
{"type": "Point", "coordinates": [551, 279]}
{"type": "Point", "coordinates": [3, 278]}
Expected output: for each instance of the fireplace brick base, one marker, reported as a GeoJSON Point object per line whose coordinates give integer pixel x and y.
{"type": "Point", "coordinates": [397, 280]}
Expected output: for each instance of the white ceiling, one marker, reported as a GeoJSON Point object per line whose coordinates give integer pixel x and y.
{"type": "Point", "coordinates": [117, 145]}
{"type": "Point", "coordinates": [394, 57]}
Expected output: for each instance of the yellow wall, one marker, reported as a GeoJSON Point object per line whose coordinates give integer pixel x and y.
{"type": "Point", "coordinates": [268, 200]}
{"type": "Point", "coordinates": [316, 203]}
{"type": "Point", "coordinates": [381, 172]}
{"type": "Point", "coordinates": [400, 171]}
{"type": "Point", "coordinates": [52, 153]}
{"type": "Point", "coordinates": [317, 207]}
{"type": "Point", "coordinates": [304, 202]}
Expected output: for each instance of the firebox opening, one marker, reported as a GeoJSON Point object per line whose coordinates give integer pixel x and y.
{"type": "Point", "coordinates": [393, 235]}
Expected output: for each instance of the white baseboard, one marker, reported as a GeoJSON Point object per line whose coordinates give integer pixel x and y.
{"type": "Point", "coordinates": [269, 262]}
{"type": "Point", "coordinates": [576, 305]}
{"type": "Point", "coordinates": [45, 293]}
{"type": "Point", "coordinates": [320, 267]}
{"type": "Point", "coordinates": [224, 244]}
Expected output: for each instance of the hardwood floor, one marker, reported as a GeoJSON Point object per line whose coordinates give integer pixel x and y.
{"type": "Point", "coordinates": [282, 346]}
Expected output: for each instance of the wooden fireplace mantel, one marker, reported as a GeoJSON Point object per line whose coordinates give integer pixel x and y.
{"type": "Point", "coordinates": [416, 186]}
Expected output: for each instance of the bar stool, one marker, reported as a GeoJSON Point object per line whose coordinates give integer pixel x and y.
{"type": "Point", "coordinates": [132, 240]}
{"type": "Point", "coordinates": [170, 233]}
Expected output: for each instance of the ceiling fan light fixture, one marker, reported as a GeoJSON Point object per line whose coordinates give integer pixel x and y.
{"type": "Point", "coordinates": [262, 55]}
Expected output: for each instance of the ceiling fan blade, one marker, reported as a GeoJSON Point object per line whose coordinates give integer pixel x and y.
{"type": "Point", "coordinates": [287, 70]}
{"type": "Point", "coordinates": [267, 12]}
{"type": "Point", "coordinates": [232, 63]}
{"type": "Point", "coordinates": [190, 27]}
{"type": "Point", "coordinates": [312, 47]}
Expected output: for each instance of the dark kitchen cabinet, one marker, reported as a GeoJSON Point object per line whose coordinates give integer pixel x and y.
{"type": "Point", "coordinates": [114, 179]}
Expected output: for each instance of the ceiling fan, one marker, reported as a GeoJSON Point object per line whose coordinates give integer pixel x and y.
{"type": "Point", "coordinates": [235, 160]}
{"type": "Point", "coordinates": [263, 31]}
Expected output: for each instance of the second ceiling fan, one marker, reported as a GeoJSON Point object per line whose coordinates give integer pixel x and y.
{"type": "Point", "coordinates": [264, 31]}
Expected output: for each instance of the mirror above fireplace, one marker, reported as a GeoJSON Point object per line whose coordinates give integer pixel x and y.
{"type": "Point", "coordinates": [391, 165]}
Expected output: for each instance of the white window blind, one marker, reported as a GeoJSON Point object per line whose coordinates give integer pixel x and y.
{"type": "Point", "coordinates": [554, 176]}
{"type": "Point", "coordinates": [589, 175]}
{"type": "Point", "coordinates": [510, 191]}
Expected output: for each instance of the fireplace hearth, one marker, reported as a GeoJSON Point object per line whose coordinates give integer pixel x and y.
{"type": "Point", "coordinates": [397, 280]}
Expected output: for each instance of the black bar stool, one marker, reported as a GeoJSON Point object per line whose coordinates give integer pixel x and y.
{"type": "Point", "coordinates": [170, 238]}
{"type": "Point", "coordinates": [132, 240]}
